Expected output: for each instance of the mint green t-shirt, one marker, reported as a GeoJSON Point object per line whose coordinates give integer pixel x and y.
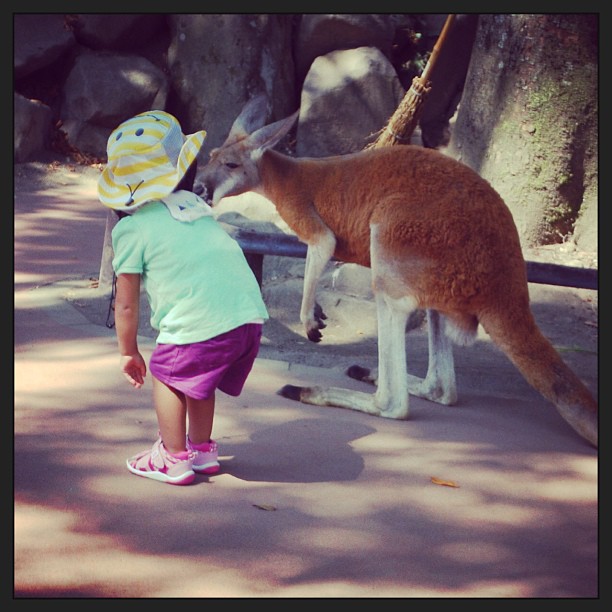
{"type": "Point", "coordinates": [196, 277]}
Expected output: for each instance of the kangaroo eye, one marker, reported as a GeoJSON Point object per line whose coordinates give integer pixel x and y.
{"type": "Point", "coordinates": [231, 165]}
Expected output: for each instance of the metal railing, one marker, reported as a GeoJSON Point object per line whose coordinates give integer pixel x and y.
{"type": "Point", "coordinates": [258, 244]}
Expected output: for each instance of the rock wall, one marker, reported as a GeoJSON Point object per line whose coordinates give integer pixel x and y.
{"type": "Point", "coordinates": [93, 71]}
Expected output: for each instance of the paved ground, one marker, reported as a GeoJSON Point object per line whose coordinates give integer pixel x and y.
{"type": "Point", "coordinates": [311, 502]}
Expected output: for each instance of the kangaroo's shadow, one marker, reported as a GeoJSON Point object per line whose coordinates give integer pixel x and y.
{"type": "Point", "coordinates": [304, 450]}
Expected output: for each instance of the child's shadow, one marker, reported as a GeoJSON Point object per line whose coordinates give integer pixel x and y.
{"type": "Point", "coordinates": [306, 450]}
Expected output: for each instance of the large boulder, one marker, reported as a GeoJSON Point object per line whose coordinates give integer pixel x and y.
{"type": "Point", "coordinates": [319, 34]}
{"type": "Point", "coordinates": [348, 96]}
{"type": "Point", "coordinates": [104, 89]}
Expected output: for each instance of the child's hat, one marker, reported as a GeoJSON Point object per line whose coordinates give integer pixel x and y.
{"type": "Point", "coordinates": [148, 155]}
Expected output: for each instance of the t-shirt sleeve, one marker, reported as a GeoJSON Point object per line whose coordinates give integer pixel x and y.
{"type": "Point", "coordinates": [127, 247]}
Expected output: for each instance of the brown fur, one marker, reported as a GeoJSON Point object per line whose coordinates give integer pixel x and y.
{"type": "Point", "coordinates": [472, 266]}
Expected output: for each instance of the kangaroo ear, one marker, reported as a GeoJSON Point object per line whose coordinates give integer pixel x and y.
{"type": "Point", "coordinates": [269, 135]}
{"type": "Point", "coordinates": [252, 116]}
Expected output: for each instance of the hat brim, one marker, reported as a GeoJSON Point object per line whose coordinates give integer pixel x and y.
{"type": "Point", "coordinates": [155, 182]}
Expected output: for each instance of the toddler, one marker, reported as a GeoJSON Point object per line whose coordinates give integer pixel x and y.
{"type": "Point", "coordinates": [205, 301]}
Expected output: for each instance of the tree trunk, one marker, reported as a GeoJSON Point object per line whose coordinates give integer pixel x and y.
{"type": "Point", "coordinates": [527, 122]}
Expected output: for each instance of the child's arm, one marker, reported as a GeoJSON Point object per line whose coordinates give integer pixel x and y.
{"type": "Point", "coordinates": [127, 312]}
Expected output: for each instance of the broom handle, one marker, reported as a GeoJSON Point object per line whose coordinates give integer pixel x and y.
{"type": "Point", "coordinates": [436, 50]}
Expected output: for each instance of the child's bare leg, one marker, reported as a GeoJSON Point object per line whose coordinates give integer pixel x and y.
{"type": "Point", "coordinates": [201, 414]}
{"type": "Point", "coordinates": [171, 409]}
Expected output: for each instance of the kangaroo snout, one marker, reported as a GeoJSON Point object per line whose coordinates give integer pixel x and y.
{"type": "Point", "coordinates": [200, 189]}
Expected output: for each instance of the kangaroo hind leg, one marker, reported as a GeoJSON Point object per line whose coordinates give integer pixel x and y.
{"type": "Point", "coordinates": [439, 384]}
{"type": "Point", "coordinates": [391, 397]}
{"type": "Point", "coordinates": [370, 375]}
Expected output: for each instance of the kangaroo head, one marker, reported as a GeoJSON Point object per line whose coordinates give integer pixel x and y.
{"type": "Point", "coordinates": [233, 167]}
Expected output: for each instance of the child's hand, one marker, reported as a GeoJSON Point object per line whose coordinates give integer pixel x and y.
{"type": "Point", "coordinates": [134, 369]}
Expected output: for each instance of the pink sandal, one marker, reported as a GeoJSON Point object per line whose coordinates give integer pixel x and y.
{"type": "Point", "coordinates": [206, 457]}
{"type": "Point", "coordinates": [158, 464]}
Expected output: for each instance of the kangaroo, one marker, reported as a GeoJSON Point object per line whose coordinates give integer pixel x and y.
{"type": "Point", "coordinates": [436, 236]}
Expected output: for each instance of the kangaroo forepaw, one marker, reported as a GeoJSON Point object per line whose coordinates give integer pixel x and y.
{"type": "Point", "coordinates": [319, 316]}
{"type": "Point", "coordinates": [314, 335]}
{"type": "Point", "coordinates": [314, 325]}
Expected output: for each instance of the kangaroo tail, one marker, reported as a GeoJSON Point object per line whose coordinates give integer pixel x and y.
{"type": "Point", "coordinates": [544, 369]}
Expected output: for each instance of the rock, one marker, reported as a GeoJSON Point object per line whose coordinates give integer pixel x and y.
{"type": "Point", "coordinates": [39, 40]}
{"type": "Point", "coordinates": [321, 34]}
{"type": "Point", "coordinates": [32, 128]}
{"type": "Point", "coordinates": [104, 89]}
{"type": "Point", "coordinates": [347, 97]}
{"type": "Point", "coordinates": [118, 31]}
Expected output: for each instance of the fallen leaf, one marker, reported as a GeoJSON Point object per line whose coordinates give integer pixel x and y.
{"type": "Point", "coordinates": [265, 507]}
{"type": "Point", "coordinates": [444, 483]}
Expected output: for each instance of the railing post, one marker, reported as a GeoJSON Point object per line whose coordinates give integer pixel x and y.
{"type": "Point", "coordinates": [255, 261]}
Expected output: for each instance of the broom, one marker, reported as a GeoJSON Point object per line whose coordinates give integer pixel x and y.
{"type": "Point", "coordinates": [405, 119]}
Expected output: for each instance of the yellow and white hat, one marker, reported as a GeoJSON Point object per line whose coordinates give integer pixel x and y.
{"type": "Point", "coordinates": [148, 155]}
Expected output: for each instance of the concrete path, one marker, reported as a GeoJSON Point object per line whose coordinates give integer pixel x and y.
{"type": "Point", "coordinates": [310, 502]}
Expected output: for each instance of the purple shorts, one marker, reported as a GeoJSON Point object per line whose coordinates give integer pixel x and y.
{"type": "Point", "coordinates": [223, 362]}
